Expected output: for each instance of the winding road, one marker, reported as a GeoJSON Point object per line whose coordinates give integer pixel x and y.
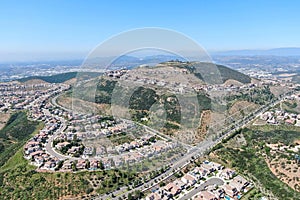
{"type": "Point", "coordinates": [193, 152]}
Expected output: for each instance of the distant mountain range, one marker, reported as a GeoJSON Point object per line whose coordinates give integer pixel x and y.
{"type": "Point", "coordinates": [270, 52]}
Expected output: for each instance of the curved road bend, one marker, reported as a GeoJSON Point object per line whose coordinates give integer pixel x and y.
{"type": "Point", "coordinates": [211, 181]}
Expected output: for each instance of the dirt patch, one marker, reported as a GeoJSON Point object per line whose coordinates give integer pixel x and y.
{"type": "Point", "coordinates": [34, 82]}
{"type": "Point", "coordinates": [278, 90]}
{"type": "Point", "coordinates": [232, 82]}
{"type": "Point", "coordinates": [83, 106]}
{"type": "Point", "coordinates": [205, 120]}
{"type": "Point", "coordinates": [287, 171]}
{"type": "Point", "coordinates": [259, 122]}
{"type": "Point", "coordinates": [71, 81]}
{"type": "Point", "coordinates": [3, 119]}
{"type": "Point", "coordinates": [241, 108]}
{"type": "Point", "coordinates": [255, 81]}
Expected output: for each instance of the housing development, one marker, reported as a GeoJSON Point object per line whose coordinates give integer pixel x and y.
{"type": "Point", "coordinates": [149, 100]}
{"type": "Point", "coordinates": [71, 141]}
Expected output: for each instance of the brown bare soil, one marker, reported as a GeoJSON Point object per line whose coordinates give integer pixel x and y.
{"type": "Point", "coordinates": [83, 106]}
{"type": "Point", "coordinates": [34, 81]}
{"type": "Point", "coordinates": [3, 119]}
{"type": "Point", "coordinates": [242, 108]}
{"type": "Point", "coordinates": [278, 90]}
{"type": "Point", "coordinates": [232, 82]}
{"type": "Point", "coordinates": [255, 81]}
{"type": "Point", "coordinates": [287, 171]}
{"type": "Point", "coordinates": [71, 81]}
{"type": "Point", "coordinates": [205, 120]}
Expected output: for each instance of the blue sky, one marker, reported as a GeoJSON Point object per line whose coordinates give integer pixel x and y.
{"type": "Point", "coordinates": [51, 28]}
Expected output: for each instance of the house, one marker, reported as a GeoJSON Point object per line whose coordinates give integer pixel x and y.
{"type": "Point", "coordinates": [106, 163]}
{"type": "Point", "coordinates": [239, 183]}
{"type": "Point", "coordinates": [73, 149]}
{"type": "Point", "coordinates": [81, 164]}
{"type": "Point", "coordinates": [49, 164]}
{"type": "Point", "coordinates": [67, 165]}
{"type": "Point", "coordinates": [94, 164]}
{"type": "Point", "coordinates": [60, 145]}
{"type": "Point", "coordinates": [180, 184]}
{"type": "Point", "coordinates": [36, 153]}
{"type": "Point", "coordinates": [189, 180]}
{"type": "Point", "coordinates": [206, 195]}
{"type": "Point", "coordinates": [134, 144]}
{"type": "Point", "coordinates": [88, 151]}
{"type": "Point", "coordinates": [172, 189]}
{"type": "Point", "coordinates": [39, 160]}
{"type": "Point", "coordinates": [227, 174]}
{"type": "Point", "coordinates": [230, 190]}
{"type": "Point", "coordinates": [208, 168]}
{"type": "Point", "coordinates": [153, 196]}
{"type": "Point", "coordinates": [201, 171]}
{"type": "Point", "coordinates": [217, 166]}
{"type": "Point", "coordinates": [291, 121]}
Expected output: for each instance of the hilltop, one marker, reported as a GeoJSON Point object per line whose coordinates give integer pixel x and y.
{"type": "Point", "coordinates": [154, 93]}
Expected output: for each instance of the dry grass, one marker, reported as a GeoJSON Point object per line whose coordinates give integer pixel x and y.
{"type": "Point", "coordinates": [242, 108]}
{"type": "Point", "coordinates": [83, 106]}
{"type": "Point", "coordinates": [3, 119]}
{"type": "Point", "coordinates": [278, 90]}
{"type": "Point", "coordinates": [232, 82]}
{"type": "Point", "coordinates": [34, 81]}
{"type": "Point", "coordinates": [71, 81]}
{"type": "Point", "coordinates": [287, 173]}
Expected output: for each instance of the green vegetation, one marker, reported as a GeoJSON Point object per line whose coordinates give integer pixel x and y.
{"type": "Point", "coordinates": [225, 72]}
{"type": "Point", "coordinates": [143, 99]}
{"type": "Point", "coordinates": [291, 107]}
{"type": "Point", "coordinates": [23, 182]}
{"type": "Point", "coordinates": [121, 138]}
{"type": "Point", "coordinates": [259, 96]}
{"type": "Point", "coordinates": [60, 78]}
{"type": "Point", "coordinates": [104, 91]}
{"type": "Point", "coordinates": [253, 194]}
{"type": "Point", "coordinates": [16, 132]}
{"type": "Point", "coordinates": [249, 160]}
{"type": "Point", "coordinates": [19, 180]}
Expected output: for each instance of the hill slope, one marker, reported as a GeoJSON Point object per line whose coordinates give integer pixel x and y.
{"type": "Point", "coordinates": [14, 134]}
{"type": "Point", "coordinates": [60, 78]}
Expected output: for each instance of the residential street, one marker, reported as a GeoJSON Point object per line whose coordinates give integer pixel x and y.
{"type": "Point", "coordinates": [193, 192]}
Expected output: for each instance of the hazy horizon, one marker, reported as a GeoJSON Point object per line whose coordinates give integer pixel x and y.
{"type": "Point", "coordinates": [34, 31]}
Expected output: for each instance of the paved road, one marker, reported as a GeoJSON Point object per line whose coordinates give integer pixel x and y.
{"type": "Point", "coordinates": [48, 146]}
{"type": "Point", "coordinates": [201, 149]}
{"type": "Point", "coordinates": [212, 181]}
{"type": "Point", "coordinates": [192, 153]}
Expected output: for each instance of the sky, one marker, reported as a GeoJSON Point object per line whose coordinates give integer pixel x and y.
{"type": "Point", "coordinates": [53, 29]}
